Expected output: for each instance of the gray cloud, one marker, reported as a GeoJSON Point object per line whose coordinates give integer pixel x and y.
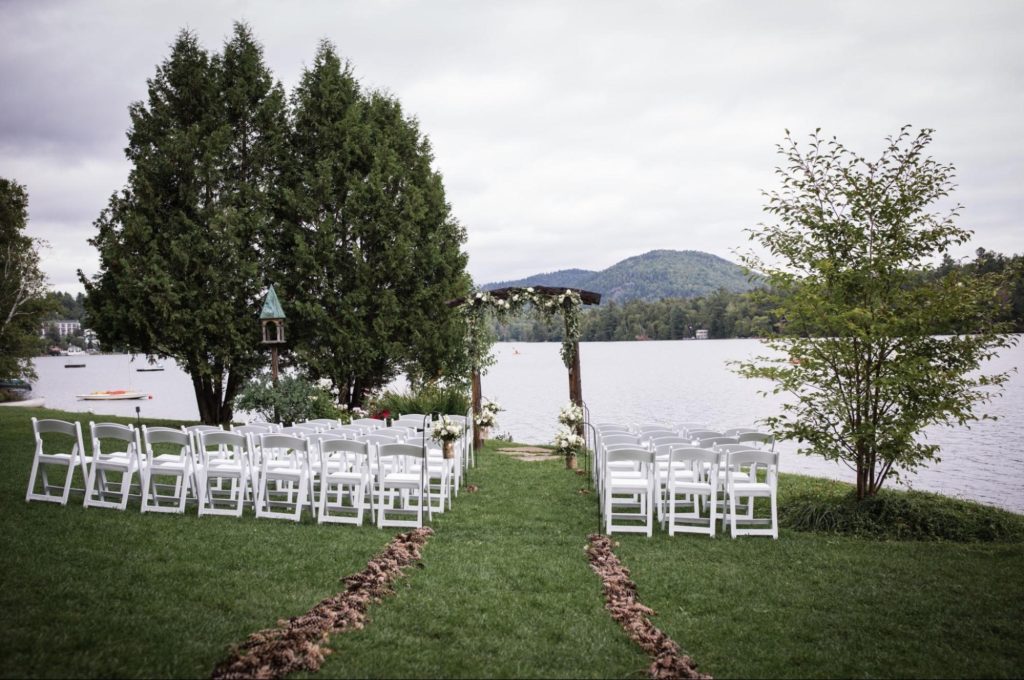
{"type": "Point", "coordinates": [570, 134]}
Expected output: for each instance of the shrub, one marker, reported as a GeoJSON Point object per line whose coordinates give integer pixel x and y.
{"type": "Point", "coordinates": [294, 399]}
{"type": "Point", "coordinates": [897, 515]}
{"type": "Point", "coordinates": [430, 398]}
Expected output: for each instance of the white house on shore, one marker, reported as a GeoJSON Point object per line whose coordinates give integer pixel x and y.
{"type": "Point", "coordinates": [702, 334]}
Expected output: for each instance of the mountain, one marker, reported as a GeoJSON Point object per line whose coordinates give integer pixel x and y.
{"type": "Point", "coordinates": [652, 276]}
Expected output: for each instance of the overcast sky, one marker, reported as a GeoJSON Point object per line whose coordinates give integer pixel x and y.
{"type": "Point", "coordinates": [569, 134]}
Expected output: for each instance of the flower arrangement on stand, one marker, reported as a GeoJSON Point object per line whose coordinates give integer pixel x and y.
{"type": "Point", "coordinates": [487, 417]}
{"type": "Point", "coordinates": [447, 431]}
{"type": "Point", "coordinates": [568, 444]}
{"type": "Point", "coordinates": [571, 416]}
{"type": "Point", "coordinates": [568, 440]}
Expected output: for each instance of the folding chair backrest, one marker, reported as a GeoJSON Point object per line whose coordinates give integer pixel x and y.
{"type": "Point", "coordinates": [232, 444]}
{"type": "Point", "coordinates": [391, 450]}
{"type": "Point", "coordinates": [663, 445]}
{"type": "Point", "coordinates": [323, 423]}
{"type": "Point", "coordinates": [633, 455]}
{"type": "Point", "coordinates": [372, 423]}
{"type": "Point", "coordinates": [692, 458]}
{"type": "Point", "coordinates": [756, 437]}
{"type": "Point", "coordinates": [252, 428]}
{"type": "Point", "coordinates": [284, 441]}
{"type": "Point", "coordinates": [737, 431]}
{"type": "Point", "coordinates": [48, 425]}
{"type": "Point", "coordinates": [298, 430]}
{"type": "Point", "coordinates": [380, 439]}
{"type": "Point", "coordinates": [711, 442]}
{"type": "Point", "coordinates": [125, 433]}
{"type": "Point", "coordinates": [342, 445]}
{"type": "Point", "coordinates": [164, 435]}
{"type": "Point", "coordinates": [695, 435]}
{"type": "Point", "coordinates": [767, 459]}
{"type": "Point", "coordinates": [609, 440]}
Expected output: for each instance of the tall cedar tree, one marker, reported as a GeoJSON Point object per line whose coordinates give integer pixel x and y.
{"type": "Point", "coordinates": [370, 252]}
{"type": "Point", "coordinates": [23, 300]}
{"type": "Point", "coordinates": [855, 289]}
{"type": "Point", "coordinates": [183, 246]}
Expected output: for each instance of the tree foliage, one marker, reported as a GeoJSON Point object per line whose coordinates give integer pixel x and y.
{"type": "Point", "coordinates": [23, 300]}
{"type": "Point", "coordinates": [333, 200]}
{"type": "Point", "coordinates": [369, 252]}
{"type": "Point", "coordinates": [182, 246]}
{"type": "Point", "coordinates": [860, 304]}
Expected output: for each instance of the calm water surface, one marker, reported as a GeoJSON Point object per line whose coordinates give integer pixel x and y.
{"type": "Point", "coordinates": [671, 382]}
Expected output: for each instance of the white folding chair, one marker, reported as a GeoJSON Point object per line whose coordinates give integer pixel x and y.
{"type": "Point", "coordinates": [692, 478]}
{"type": "Point", "coordinates": [123, 460]}
{"type": "Point", "coordinates": [636, 484]}
{"type": "Point", "coordinates": [75, 457]}
{"type": "Point", "coordinates": [344, 473]}
{"type": "Point", "coordinates": [176, 463]}
{"type": "Point", "coordinates": [742, 480]}
{"type": "Point", "coordinates": [401, 484]}
{"type": "Point", "coordinates": [292, 481]}
{"type": "Point", "coordinates": [221, 457]}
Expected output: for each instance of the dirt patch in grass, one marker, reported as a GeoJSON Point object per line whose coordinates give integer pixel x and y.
{"type": "Point", "coordinates": [621, 601]}
{"type": "Point", "coordinates": [297, 643]}
{"type": "Point", "coordinates": [528, 453]}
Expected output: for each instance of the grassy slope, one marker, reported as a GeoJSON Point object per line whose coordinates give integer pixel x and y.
{"type": "Point", "coordinates": [505, 591]}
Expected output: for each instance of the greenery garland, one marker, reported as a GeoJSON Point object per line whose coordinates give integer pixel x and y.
{"type": "Point", "coordinates": [513, 301]}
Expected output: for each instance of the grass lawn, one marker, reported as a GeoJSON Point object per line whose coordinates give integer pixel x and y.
{"type": "Point", "coordinates": [505, 590]}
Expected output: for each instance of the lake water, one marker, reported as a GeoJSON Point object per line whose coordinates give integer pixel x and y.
{"type": "Point", "coordinates": [670, 382]}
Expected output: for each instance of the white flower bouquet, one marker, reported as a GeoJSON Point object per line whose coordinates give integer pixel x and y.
{"type": "Point", "coordinates": [488, 414]}
{"type": "Point", "coordinates": [446, 430]}
{"type": "Point", "coordinates": [567, 442]}
{"type": "Point", "coordinates": [571, 416]}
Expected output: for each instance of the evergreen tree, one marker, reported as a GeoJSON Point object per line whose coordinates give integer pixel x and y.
{"type": "Point", "coordinates": [182, 246]}
{"type": "Point", "coordinates": [23, 300]}
{"type": "Point", "coordinates": [369, 239]}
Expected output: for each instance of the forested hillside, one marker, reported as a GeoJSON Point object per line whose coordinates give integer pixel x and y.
{"type": "Point", "coordinates": [726, 314]}
{"type": "Point", "coordinates": [654, 275]}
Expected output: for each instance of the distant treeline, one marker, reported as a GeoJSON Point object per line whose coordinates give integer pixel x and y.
{"type": "Point", "coordinates": [732, 315]}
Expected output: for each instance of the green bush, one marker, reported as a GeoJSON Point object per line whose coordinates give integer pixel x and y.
{"type": "Point", "coordinates": [294, 399]}
{"type": "Point", "coordinates": [898, 515]}
{"type": "Point", "coordinates": [450, 400]}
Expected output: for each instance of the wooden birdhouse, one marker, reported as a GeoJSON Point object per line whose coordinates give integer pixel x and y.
{"type": "Point", "coordinates": [272, 319]}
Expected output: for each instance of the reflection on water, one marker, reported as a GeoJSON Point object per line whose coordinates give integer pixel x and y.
{"type": "Point", "coordinates": [670, 382]}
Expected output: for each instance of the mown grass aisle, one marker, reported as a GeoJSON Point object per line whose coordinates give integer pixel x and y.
{"type": "Point", "coordinates": [505, 590]}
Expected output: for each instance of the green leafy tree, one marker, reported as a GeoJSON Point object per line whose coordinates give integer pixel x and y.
{"type": "Point", "coordinates": [850, 250]}
{"type": "Point", "coordinates": [23, 300]}
{"type": "Point", "coordinates": [182, 246]}
{"type": "Point", "coordinates": [370, 253]}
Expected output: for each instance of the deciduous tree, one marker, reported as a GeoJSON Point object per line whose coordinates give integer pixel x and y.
{"type": "Point", "coordinates": [849, 254]}
{"type": "Point", "coordinates": [23, 300]}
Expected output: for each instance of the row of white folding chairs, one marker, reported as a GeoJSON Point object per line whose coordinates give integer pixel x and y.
{"type": "Point", "coordinates": [673, 476]}
{"type": "Point", "coordinates": [206, 458]}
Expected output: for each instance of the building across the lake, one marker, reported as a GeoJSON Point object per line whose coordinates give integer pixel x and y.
{"type": "Point", "coordinates": [702, 334]}
{"type": "Point", "coordinates": [65, 327]}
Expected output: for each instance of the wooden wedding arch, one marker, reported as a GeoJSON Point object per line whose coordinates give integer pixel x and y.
{"type": "Point", "coordinates": [506, 302]}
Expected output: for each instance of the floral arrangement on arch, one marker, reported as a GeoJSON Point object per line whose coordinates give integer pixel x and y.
{"type": "Point", "coordinates": [568, 443]}
{"type": "Point", "coordinates": [567, 303]}
{"type": "Point", "coordinates": [488, 414]}
{"type": "Point", "coordinates": [571, 416]}
{"type": "Point", "coordinates": [447, 430]}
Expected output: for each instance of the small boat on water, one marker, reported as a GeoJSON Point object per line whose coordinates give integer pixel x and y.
{"type": "Point", "coordinates": [147, 369]}
{"type": "Point", "coordinates": [17, 392]}
{"type": "Point", "coordinates": [74, 363]}
{"type": "Point", "coordinates": [107, 395]}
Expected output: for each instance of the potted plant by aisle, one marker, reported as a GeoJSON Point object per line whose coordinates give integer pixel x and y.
{"type": "Point", "coordinates": [487, 418]}
{"type": "Point", "coordinates": [447, 432]}
{"type": "Point", "coordinates": [568, 444]}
